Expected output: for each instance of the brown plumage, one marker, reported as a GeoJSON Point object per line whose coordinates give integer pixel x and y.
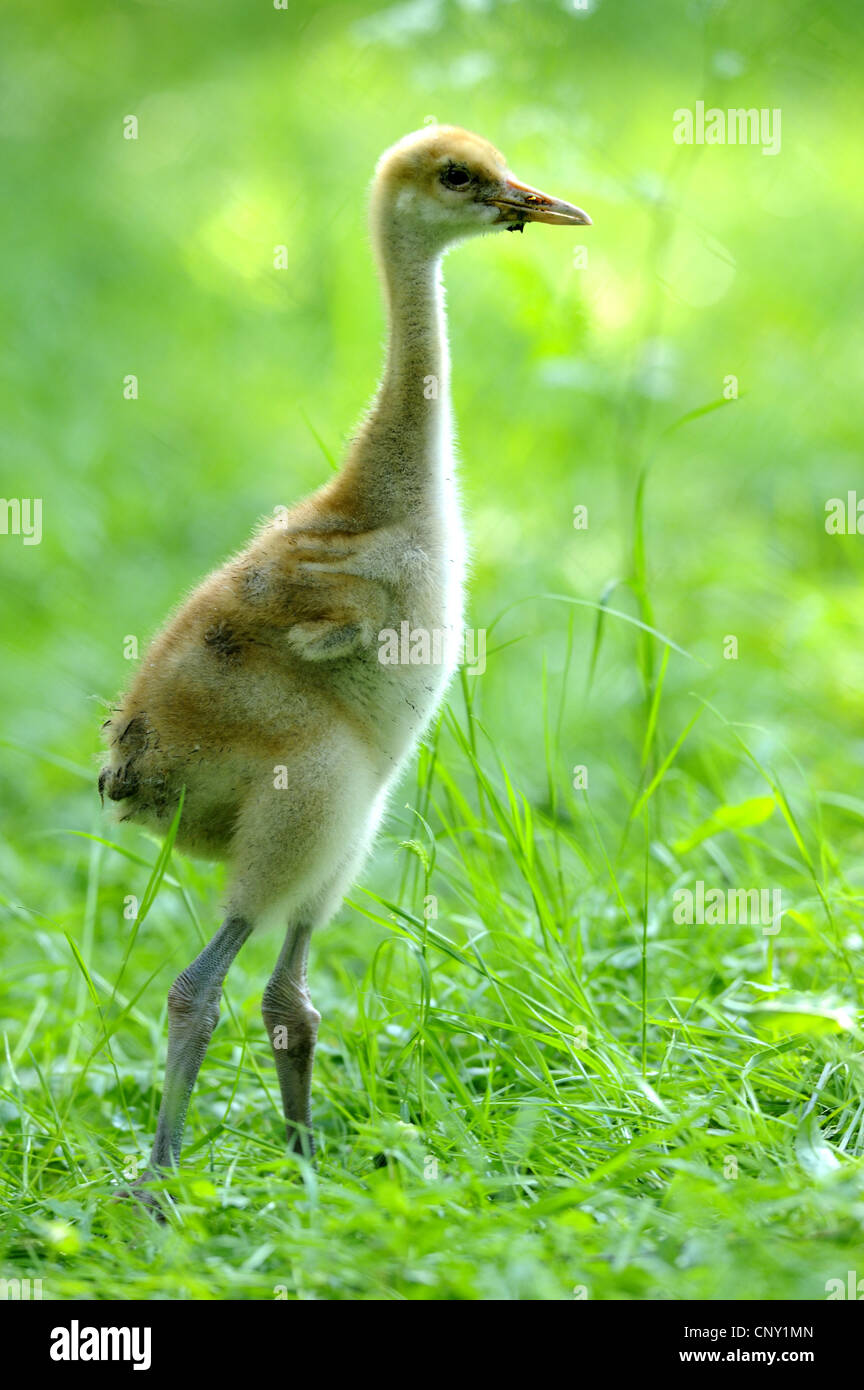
{"type": "Point", "coordinates": [264, 696]}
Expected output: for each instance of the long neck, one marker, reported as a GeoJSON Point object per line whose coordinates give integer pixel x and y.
{"type": "Point", "coordinates": [400, 456]}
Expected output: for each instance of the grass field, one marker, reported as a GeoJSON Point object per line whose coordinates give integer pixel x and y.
{"type": "Point", "coordinates": [575, 1093]}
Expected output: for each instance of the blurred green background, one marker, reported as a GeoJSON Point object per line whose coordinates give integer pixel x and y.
{"type": "Point", "coordinates": [574, 383]}
{"type": "Point", "coordinates": [259, 128]}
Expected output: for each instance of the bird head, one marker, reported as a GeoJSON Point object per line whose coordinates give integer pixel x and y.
{"type": "Point", "coordinates": [442, 184]}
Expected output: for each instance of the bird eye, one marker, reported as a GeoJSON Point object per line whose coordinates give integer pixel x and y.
{"type": "Point", "coordinates": [455, 177]}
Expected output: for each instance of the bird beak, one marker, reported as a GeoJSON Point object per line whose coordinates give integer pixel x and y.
{"type": "Point", "coordinates": [520, 203]}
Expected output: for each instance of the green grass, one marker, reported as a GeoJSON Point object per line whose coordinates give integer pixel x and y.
{"type": "Point", "coordinates": [570, 1093]}
{"type": "Point", "coordinates": [575, 1095]}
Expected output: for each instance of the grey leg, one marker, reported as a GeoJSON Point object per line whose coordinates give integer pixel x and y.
{"type": "Point", "coordinates": [193, 1012]}
{"type": "Point", "coordinates": [292, 1026]}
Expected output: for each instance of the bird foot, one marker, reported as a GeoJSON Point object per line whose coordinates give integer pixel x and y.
{"type": "Point", "coordinates": [300, 1142]}
{"type": "Point", "coordinates": [154, 1203]}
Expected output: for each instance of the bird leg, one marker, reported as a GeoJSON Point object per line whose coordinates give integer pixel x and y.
{"type": "Point", "coordinates": [193, 1012]}
{"type": "Point", "coordinates": [292, 1026]}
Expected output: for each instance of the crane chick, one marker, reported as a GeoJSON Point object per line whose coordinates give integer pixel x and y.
{"type": "Point", "coordinates": [264, 696]}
